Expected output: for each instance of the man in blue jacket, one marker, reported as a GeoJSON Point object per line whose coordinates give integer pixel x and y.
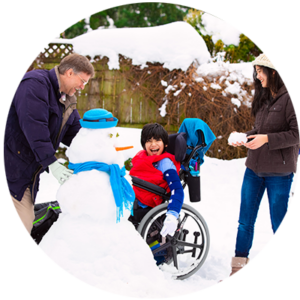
{"type": "Point", "coordinates": [42, 114]}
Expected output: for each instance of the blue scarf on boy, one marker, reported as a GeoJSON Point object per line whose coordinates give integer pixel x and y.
{"type": "Point", "coordinates": [122, 190]}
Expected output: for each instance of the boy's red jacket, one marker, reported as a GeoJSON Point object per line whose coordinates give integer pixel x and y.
{"type": "Point", "coordinates": [143, 168]}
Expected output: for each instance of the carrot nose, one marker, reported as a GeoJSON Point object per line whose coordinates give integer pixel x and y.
{"type": "Point", "coordinates": [123, 148]}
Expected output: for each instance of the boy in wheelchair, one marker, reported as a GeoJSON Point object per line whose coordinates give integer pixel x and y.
{"type": "Point", "coordinates": [158, 167]}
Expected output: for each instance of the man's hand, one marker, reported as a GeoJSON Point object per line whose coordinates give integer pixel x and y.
{"type": "Point", "coordinates": [60, 172]}
{"type": "Point", "coordinates": [170, 225]}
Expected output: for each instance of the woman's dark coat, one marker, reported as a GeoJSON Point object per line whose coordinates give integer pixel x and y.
{"type": "Point", "coordinates": [33, 130]}
{"type": "Point", "coordinates": [278, 121]}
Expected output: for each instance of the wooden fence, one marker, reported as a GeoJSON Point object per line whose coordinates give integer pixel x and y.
{"type": "Point", "coordinates": [135, 96]}
{"type": "Point", "coordinates": [114, 90]}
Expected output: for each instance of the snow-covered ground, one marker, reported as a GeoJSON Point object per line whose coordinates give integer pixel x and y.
{"type": "Point", "coordinates": [220, 189]}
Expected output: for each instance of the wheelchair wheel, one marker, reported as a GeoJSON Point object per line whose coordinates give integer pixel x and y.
{"type": "Point", "coordinates": [183, 254]}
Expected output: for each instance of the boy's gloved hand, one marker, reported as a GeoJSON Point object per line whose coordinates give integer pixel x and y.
{"type": "Point", "coordinates": [60, 172]}
{"type": "Point", "coordinates": [170, 225]}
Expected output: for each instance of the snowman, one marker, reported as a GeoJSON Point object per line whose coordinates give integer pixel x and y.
{"type": "Point", "coordinates": [91, 239]}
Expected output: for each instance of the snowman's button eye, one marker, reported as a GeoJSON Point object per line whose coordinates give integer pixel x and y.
{"type": "Point", "coordinates": [117, 134]}
{"type": "Point", "coordinates": [110, 135]}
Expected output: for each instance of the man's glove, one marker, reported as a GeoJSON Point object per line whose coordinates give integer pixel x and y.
{"type": "Point", "coordinates": [60, 172]}
{"type": "Point", "coordinates": [170, 225]}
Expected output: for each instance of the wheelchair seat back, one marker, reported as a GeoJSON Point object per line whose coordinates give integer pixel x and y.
{"type": "Point", "coordinates": [177, 146]}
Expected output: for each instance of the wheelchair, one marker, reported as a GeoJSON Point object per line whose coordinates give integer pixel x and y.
{"type": "Point", "coordinates": [183, 254]}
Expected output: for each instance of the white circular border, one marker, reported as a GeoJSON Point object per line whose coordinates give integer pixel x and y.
{"type": "Point", "coordinates": [27, 27]}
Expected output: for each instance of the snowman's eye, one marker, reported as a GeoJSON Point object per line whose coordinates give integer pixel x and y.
{"type": "Point", "coordinates": [117, 134]}
{"type": "Point", "coordinates": [110, 135]}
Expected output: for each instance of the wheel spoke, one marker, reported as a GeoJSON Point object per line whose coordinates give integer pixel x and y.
{"type": "Point", "coordinates": [158, 224]}
{"type": "Point", "coordinates": [174, 253]}
{"type": "Point", "coordinates": [181, 243]}
{"type": "Point", "coordinates": [161, 248]}
{"type": "Point", "coordinates": [180, 226]}
{"type": "Point", "coordinates": [186, 251]}
{"type": "Point", "coordinates": [183, 220]}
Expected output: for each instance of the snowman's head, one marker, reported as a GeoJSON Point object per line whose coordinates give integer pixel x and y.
{"type": "Point", "coordinates": [98, 118]}
{"type": "Point", "coordinates": [96, 140]}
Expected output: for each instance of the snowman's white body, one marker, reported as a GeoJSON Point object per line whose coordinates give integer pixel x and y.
{"type": "Point", "coordinates": [86, 240]}
{"type": "Point", "coordinates": [90, 192]}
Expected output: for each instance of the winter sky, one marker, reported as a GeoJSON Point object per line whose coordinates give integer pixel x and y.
{"type": "Point", "coordinates": [28, 28]}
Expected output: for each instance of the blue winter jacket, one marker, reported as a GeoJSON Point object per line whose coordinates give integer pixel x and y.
{"type": "Point", "coordinates": [33, 130]}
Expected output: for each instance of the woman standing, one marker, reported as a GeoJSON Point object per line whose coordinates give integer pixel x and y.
{"type": "Point", "coordinates": [272, 156]}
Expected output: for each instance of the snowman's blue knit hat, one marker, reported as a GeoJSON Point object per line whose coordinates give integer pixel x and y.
{"type": "Point", "coordinates": [98, 118]}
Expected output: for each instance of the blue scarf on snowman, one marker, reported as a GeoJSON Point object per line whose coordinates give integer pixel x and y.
{"type": "Point", "coordinates": [122, 190]}
{"type": "Point", "coordinates": [99, 118]}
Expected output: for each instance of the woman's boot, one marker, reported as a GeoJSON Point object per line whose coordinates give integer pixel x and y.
{"type": "Point", "coordinates": [237, 263]}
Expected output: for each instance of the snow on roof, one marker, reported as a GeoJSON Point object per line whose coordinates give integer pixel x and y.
{"type": "Point", "coordinates": [176, 45]}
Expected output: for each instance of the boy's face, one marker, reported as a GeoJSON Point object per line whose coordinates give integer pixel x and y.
{"type": "Point", "coordinates": [154, 147]}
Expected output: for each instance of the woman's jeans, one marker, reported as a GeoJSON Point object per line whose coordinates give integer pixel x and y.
{"type": "Point", "coordinates": [278, 190]}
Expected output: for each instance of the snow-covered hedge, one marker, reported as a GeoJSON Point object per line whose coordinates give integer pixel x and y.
{"type": "Point", "coordinates": [165, 74]}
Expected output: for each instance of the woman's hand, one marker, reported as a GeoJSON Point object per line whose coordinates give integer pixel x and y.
{"type": "Point", "coordinates": [237, 143]}
{"type": "Point", "coordinates": [257, 142]}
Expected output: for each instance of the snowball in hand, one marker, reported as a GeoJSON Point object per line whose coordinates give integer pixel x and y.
{"type": "Point", "coordinates": [237, 137]}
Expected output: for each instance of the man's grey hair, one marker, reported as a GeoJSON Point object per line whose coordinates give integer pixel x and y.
{"type": "Point", "coordinates": [76, 62]}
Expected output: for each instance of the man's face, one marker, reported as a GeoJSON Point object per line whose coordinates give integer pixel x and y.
{"type": "Point", "coordinates": [74, 81]}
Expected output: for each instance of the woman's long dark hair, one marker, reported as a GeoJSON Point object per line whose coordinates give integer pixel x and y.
{"type": "Point", "coordinates": [261, 95]}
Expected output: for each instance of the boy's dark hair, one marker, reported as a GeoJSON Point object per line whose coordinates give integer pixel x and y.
{"type": "Point", "coordinates": [156, 131]}
{"type": "Point", "coordinates": [261, 95]}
